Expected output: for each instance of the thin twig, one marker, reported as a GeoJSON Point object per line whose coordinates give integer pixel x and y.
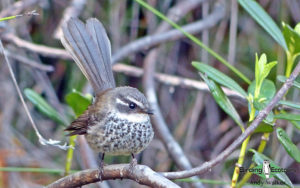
{"type": "Point", "coordinates": [175, 80]}
{"type": "Point", "coordinates": [130, 70]}
{"type": "Point", "coordinates": [233, 32]}
{"type": "Point", "coordinates": [135, 46]}
{"type": "Point", "coordinates": [72, 11]}
{"type": "Point", "coordinates": [259, 118]}
{"type": "Point", "coordinates": [41, 49]}
{"type": "Point", "coordinates": [42, 140]}
{"type": "Point", "coordinates": [158, 38]}
{"type": "Point", "coordinates": [17, 7]}
{"type": "Point", "coordinates": [29, 62]}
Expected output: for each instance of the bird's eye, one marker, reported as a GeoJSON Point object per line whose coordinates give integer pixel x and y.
{"type": "Point", "coordinates": [132, 105]}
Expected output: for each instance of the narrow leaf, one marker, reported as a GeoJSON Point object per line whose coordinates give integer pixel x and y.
{"type": "Point", "coordinates": [194, 39]}
{"type": "Point", "coordinates": [296, 124]}
{"type": "Point", "coordinates": [288, 116]}
{"type": "Point", "coordinates": [219, 77]}
{"type": "Point", "coordinates": [264, 20]}
{"type": "Point", "coordinates": [263, 127]}
{"type": "Point", "coordinates": [290, 104]}
{"type": "Point", "coordinates": [259, 158]}
{"type": "Point", "coordinates": [292, 39]}
{"type": "Point", "coordinates": [288, 145]}
{"type": "Point", "coordinates": [283, 79]}
{"type": "Point", "coordinates": [267, 69]}
{"type": "Point", "coordinates": [41, 104]}
{"type": "Point", "coordinates": [222, 100]}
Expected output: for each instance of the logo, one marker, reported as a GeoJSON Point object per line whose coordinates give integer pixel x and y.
{"type": "Point", "coordinates": [266, 171]}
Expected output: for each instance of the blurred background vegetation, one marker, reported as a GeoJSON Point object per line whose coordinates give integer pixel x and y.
{"type": "Point", "coordinates": [195, 120]}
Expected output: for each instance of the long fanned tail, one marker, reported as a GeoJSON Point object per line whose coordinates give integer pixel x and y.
{"type": "Point", "coordinates": [90, 48]}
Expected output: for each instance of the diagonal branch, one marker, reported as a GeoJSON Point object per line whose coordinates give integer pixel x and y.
{"type": "Point", "coordinates": [171, 35]}
{"type": "Point", "coordinates": [259, 118]}
{"type": "Point", "coordinates": [178, 81]}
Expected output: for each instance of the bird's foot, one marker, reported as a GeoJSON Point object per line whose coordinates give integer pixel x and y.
{"type": "Point", "coordinates": [101, 165]}
{"type": "Point", "coordinates": [132, 166]}
{"type": "Point", "coordinates": [101, 170]}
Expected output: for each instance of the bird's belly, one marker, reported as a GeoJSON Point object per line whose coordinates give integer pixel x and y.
{"type": "Point", "coordinates": [120, 137]}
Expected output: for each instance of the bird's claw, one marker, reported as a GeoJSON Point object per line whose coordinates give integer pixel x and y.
{"type": "Point", "coordinates": [100, 175]}
{"type": "Point", "coordinates": [132, 166]}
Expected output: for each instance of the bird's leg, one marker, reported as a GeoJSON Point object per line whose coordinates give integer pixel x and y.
{"type": "Point", "coordinates": [132, 165]}
{"type": "Point", "coordinates": [133, 162]}
{"type": "Point", "coordinates": [101, 164]}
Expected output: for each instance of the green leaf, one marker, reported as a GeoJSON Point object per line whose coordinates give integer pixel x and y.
{"type": "Point", "coordinates": [288, 116]}
{"type": "Point", "coordinates": [194, 39]}
{"type": "Point", "coordinates": [262, 70]}
{"type": "Point", "coordinates": [219, 77]}
{"type": "Point", "coordinates": [264, 20]}
{"type": "Point", "coordinates": [292, 39]}
{"type": "Point", "coordinates": [283, 79]}
{"type": "Point", "coordinates": [259, 158]}
{"type": "Point", "coordinates": [266, 93]}
{"type": "Point", "coordinates": [296, 124]}
{"type": "Point", "coordinates": [263, 127]}
{"type": "Point", "coordinates": [268, 67]}
{"type": "Point", "coordinates": [222, 100]}
{"type": "Point", "coordinates": [297, 28]}
{"type": "Point", "coordinates": [78, 102]}
{"type": "Point", "coordinates": [290, 104]}
{"type": "Point", "coordinates": [288, 145]}
{"type": "Point", "coordinates": [41, 104]}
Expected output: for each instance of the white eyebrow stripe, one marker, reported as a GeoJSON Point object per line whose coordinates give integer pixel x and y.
{"type": "Point", "coordinates": [119, 101]}
{"type": "Point", "coordinates": [135, 117]}
{"type": "Point", "coordinates": [135, 101]}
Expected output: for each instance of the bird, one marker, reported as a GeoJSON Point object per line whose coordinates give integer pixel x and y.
{"type": "Point", "coordinates": [118, 121]}
{"type": "Point", "coordinates": [266, 168]}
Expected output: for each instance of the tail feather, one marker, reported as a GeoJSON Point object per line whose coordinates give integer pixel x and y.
{"type": "Point", "coordinates": [97, 31]}
{"type": "Point", "coordinates": [91, 53]}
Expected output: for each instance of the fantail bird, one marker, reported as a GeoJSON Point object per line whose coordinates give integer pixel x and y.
{"type": "Point", "coordinates": [118, 121]}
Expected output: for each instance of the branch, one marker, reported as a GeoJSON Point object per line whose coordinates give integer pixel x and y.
{"type": "Point", "coordinates": [17, 7]}
{"type": "Point", "coordinates": [259, 118]}
{"type": "Point", "coordinates": [135, 46]}
{"type": "Point", "coordinates": [41, 49]}
{"type": "Point", "coordinates": [127, 69]}
{"type": "Point", "coordinates": [29, 62]}
{"type": "Point", "coordinates": [159, 124]}
{"type": "Point", "coordinates": [42, 140]}
{"type": "Point", "coordinates": [139, 173]}
{"type": "Point", "coordinates": [175, 80]}
{"type": "Point", "coordinates": [172, 35]}
{"type": "Point", "coordinates": [72, 11]}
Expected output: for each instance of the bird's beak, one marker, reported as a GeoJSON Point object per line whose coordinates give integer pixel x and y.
{"type": "Point", "coordinates": [148, 111]}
